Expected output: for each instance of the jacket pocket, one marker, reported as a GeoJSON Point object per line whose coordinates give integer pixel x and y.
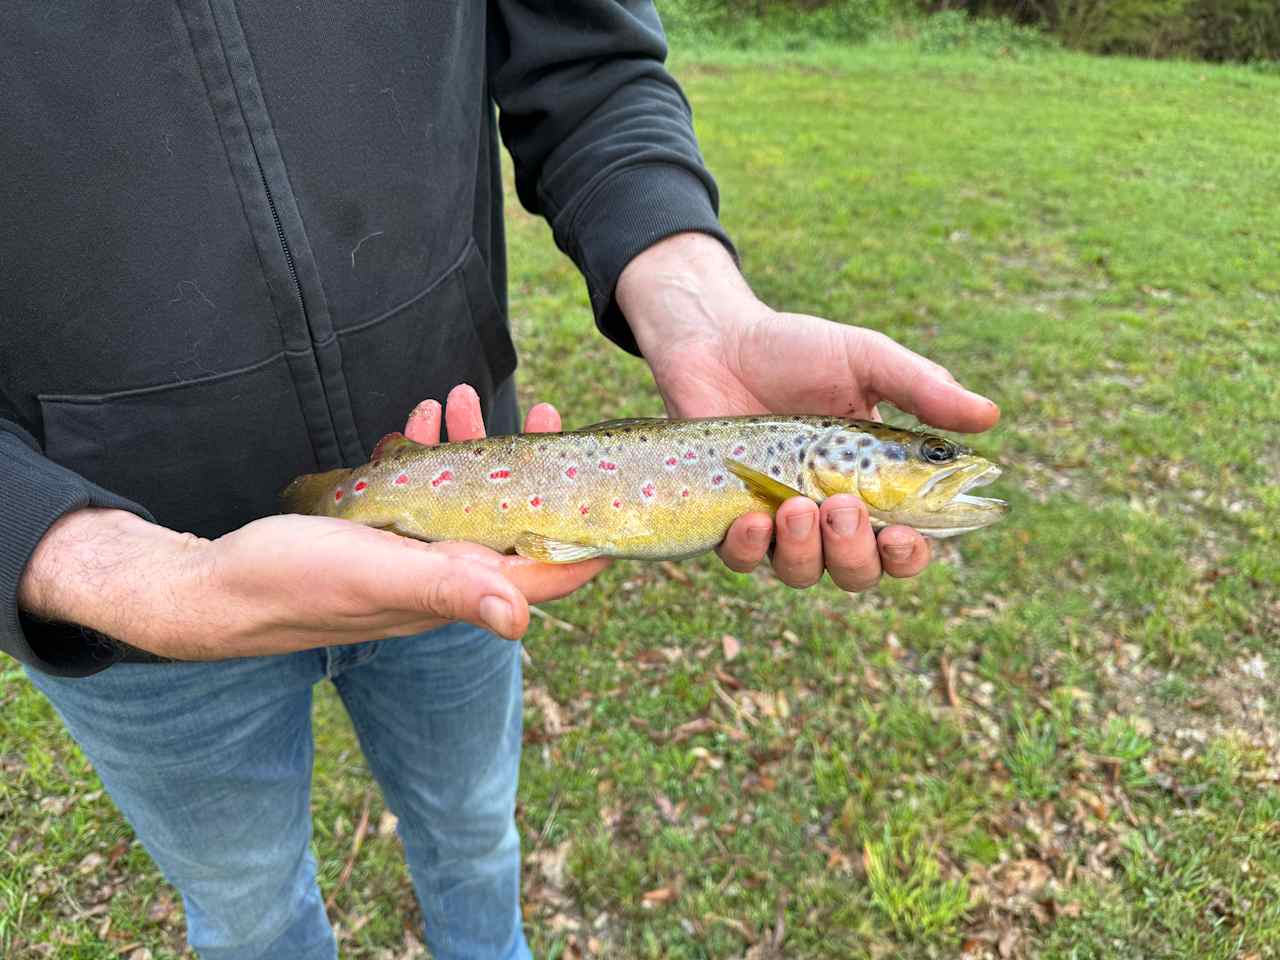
{"type": "Point", "coordinates": [453, 332]}
{"type": "Point", "coordinates": [204, 456]}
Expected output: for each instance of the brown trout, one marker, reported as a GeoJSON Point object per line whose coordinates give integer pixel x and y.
{"type": "Point", "coordinates": [650, 488]}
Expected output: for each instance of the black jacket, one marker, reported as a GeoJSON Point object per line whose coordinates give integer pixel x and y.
{"type": "Point", "coordinates": [240, 240]}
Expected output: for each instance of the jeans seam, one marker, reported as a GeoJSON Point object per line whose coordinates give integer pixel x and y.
{"type": "Point", "coordinates": [372, 753]}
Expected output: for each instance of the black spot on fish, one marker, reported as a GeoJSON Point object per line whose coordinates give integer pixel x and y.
{"type": "Point", "coordinates": [842, 439]}
{"type": "Point", "coordinates": [711, 451]}
{"type": "Point", "coordinates": [848, 455]}
{"type": "Point", "coordinates": [706, 433]}
{"type": "Point", "coordinates": [822, 452]}
{"type": "Point", "coordinates": [799, 481]}
{"type": "Point", "coordinates": [866, 463]}
{"type": "Point", "coordinates": [865, 442]}
{"type": "Point", "coordinates": [775, 470]}
{"type": "Point", "coordinates": [480, 453]}
{"type": "Point", "coordinates": [643, 438]}
{"type": "Point", "coordinates": [896, 452]}
{"type": "Point", "coordinates": [826, 423]}
{"type": "Point", "coordinates": [799, 439]}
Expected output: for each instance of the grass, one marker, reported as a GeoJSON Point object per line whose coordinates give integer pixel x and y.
{"type": "Point", "coordinates": [1060, 741]}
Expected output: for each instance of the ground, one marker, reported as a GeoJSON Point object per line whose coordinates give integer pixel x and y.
{"type": "Point", "coordinates": [1060, 741]}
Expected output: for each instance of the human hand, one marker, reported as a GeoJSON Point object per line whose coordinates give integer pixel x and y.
{"type": "Point", "coordinates": [286, 583]}
{"type": "Point", "coordinates": [716, 350]}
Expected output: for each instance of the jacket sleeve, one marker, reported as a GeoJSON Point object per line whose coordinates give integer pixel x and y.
{"type": "Point", "coordinates": [601, 135]}
{"type": "Point", "coordinates": [37, 492]}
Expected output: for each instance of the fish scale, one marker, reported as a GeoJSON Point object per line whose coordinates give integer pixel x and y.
{"type": "Point", "coordinates": [645, 488]}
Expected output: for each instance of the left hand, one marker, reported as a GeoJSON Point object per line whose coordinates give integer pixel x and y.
{"type": "Point", "coordinates": [716, 350]}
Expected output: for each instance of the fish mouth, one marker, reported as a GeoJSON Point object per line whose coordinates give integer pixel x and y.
{"type": "Point", "coordinates": [980, 479]}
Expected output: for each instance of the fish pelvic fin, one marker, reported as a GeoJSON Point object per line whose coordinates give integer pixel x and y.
{"type": "Point", "coordinates": [309, 493]}
{"type": "Point", "coordinates": [766, 488]}
{"type": "Point", "coordinates": [535, 546]}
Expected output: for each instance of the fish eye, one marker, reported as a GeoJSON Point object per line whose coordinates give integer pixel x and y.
{"type": "Point", "coordinates": [937, 450]}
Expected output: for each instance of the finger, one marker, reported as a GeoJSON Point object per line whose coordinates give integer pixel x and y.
{"type": "Point", "coordinates": [462, 416]}
{"type": "Point", "coordinates": [903, 552]}
{"type": "Point", "coordinates": [543, 418]}
{"type": "Point", "coordinates": [540, 582]}
{"type": "Point", "coordinates": [917, 385]}
{"type": "Point", "coordinates": [849, 544]}
{"type": "Point", "coordinates": [423, 425]}
{"type": "Point", "coordinates": [445, 585]}
{"type": "Point", "coordinates": [747, 542]}
{"type": "Point", "coordinates": [797, 557]}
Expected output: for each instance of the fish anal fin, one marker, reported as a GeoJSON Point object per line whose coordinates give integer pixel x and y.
{"type": "Point", "coordinates": [393, 444]}
{"type": "Point", "coordinates": [764, 487]}
{"type": "Point", "coordinates": [535, 546]}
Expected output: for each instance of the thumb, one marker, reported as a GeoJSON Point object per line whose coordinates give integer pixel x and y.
{"type": "Point", "coordinates": [456, 585]}
{"type": "Point", "coordinates": [917, 385]}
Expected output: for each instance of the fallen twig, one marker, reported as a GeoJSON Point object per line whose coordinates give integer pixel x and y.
{"type": "Point", "coordinates": [356, 842]}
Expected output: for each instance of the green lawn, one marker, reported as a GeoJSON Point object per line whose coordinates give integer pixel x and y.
{"type": "Point", "coordinates": [1060, 741]}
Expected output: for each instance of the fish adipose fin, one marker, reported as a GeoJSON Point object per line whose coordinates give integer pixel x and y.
{"type": "Point", "coordinates": [764, 487]}
{"type": "Point", "coordinates": [304, 494]}
{"type": "Point", "coordinates": [392, 445]}
{"type": "Point", "coordinates": [537, 547]}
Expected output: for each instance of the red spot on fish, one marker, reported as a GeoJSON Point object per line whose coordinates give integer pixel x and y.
{"type": "Point", "coordinates": [684, 492]}
{"type": "Point", "coordinates": [360, 487]}
{"type": "Point", "coordinates": [466, 509]}
{"type": "Point", "coordinates": [690, 455]}
{"type": "Point", "coordinates": [739, 451]}
{"type": "Point", "coordinates": [608, 467]}
{"type": "Point", "coordinates": [535, 502]}
{"type": "Point", "coordinates": [717, 479]}
{"type": "Point", "coordinates": [502, 474]}
{"type": "Point", "coordinates": [571, 473]}
{"type": "Point", "coordinates": [402, 479]}
{"type": "Point", "coordinates": [584, 509]}
{"type": "Point", "coordinates": [337, 495]}
{"type": "Point", "coordinates": [504, 505]}
{"type": "Point", "coordinates": [617, 504]}
{"type": "Point", "coordinates": [671, 461]}
{"type": "Point", "coordinates": [648, 489]}
{"type": "Point", "coordinates": [445, 476]}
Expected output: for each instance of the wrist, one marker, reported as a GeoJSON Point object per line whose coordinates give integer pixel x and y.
{"type": "Point", "coordinates": [105, 569]}
{"type": "Point", "coordinates": [684, 286]}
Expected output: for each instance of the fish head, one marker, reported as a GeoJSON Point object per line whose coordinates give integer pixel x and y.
{"type": "Point", "coordinates": [908, 477]}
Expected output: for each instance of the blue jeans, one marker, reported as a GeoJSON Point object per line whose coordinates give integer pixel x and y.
{"type": "Point", "coordinates": [211, 763]}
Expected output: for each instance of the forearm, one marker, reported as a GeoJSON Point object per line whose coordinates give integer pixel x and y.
{"type": "Point", "coordinates": [107, 570]}
{"type": "Point", "coordinates": [684, 286]}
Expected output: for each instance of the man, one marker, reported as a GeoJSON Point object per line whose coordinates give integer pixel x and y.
{"type": "Point", "coordinates": [241, 240]}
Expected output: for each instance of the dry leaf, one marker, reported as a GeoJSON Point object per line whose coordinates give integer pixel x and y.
{"type": "Point", "coordinates": [731, 646]}
{"type": "Point", "coordinates": [91, 862]}
{"type": "Point", "coordinates": [658, 896]}
{"type": "Point", "coordinates": [387, 823]}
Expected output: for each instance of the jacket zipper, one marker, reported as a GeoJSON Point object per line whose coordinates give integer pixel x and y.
{"type": "Point", "coordinates": [284, 243]}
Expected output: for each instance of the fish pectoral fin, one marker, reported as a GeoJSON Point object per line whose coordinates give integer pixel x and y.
{"type": "Point", "coordinates": [764, 487]}
{"type": "Point", "coordinates": [537, 547]}
{"type": "Point", "coordinates": [394, 444]}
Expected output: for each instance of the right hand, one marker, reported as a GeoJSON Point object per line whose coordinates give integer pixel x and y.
{"type": "Point", "coordinates": [285, 583]}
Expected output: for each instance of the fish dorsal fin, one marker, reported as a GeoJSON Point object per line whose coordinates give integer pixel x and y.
{"type": "Point", "coordinates": [537, 547]}
{"type": "Point", "coordinates": [622, 422]}
{"type": "Point", "coordinates": [392, 445]}
{"type": "Point", "coordinates": [764, 487]}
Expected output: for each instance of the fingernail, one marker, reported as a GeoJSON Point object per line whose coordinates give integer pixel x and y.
{"type": "Point", "coordinates": [800, 525]}
{"type": "Point", "coordinates": [844, 521]}
{"type": "Point", "coordinates": [497, 613]}
{"type": "Point", "coordinates": [897, 551]}
{"type": "Point", "coordinates": [757, 536]}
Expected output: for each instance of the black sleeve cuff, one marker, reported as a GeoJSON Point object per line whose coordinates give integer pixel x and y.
{"type": "Point", "coordinates": [627, 214]}
{"type": "Point", "coordinates": [38, 492]}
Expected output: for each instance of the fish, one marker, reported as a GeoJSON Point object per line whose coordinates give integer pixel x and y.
{"type": "Point", "coordinates": [650, 488]}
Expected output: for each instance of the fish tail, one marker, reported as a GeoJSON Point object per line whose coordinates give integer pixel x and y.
{"type": "Point", "coordinates": [308, 494]}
